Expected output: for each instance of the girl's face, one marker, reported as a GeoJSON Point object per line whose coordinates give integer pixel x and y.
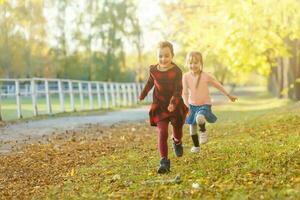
{"type": "Point", "coordinates": [164, 56]}
{"type": "Point", "coordinates": [194, 64]}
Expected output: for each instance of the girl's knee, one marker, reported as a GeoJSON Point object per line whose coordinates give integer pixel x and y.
{"type": "Point", "coordinates": [162, 127]}
{"type": "Point", "coordinates": [200, 119]}
{"type": "Point", "coordinates": [163, 132]}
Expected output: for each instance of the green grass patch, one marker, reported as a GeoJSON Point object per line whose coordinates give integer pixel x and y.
{"type": "Point", "coordinates": [253, 153]}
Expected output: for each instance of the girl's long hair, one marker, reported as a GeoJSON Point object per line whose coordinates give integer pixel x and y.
{"type": "Point", "coordinates": [198, 56]}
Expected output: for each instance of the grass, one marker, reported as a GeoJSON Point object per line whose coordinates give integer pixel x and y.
{"type": "Point", "coordinates": [253, 153]}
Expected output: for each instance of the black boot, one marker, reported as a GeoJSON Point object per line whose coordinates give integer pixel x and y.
{"type": "Point", "coordinates": [195, 139]}
{"type": "Point", "coordinates": [178, 149]}
{"type": "Point", "coordinates": [164, 166]}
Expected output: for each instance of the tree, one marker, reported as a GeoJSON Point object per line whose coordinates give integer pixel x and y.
{"type": "Point", "coordinates": [113, 26]}
{"type": "Point", "coordinates": [102, 29]}
{"type": "Point", "coordinates": [241, 36]}
{"type": "Point", "coordinates": [93, 49]}
{"type": "Point", "coordinates": [22, 27]}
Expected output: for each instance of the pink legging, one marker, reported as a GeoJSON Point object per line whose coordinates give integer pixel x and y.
{"type": "Point", "coordinates": [162, 127]}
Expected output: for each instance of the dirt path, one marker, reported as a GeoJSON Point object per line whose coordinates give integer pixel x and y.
{"type": "Point", "coordinates": [33, 130]}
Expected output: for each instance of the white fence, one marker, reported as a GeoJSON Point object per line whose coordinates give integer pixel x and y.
{"type": "Point", "coordinates": [99, 94]}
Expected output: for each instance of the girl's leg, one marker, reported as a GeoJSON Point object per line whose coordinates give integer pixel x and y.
{"type": "Point", "coordinates": [194, 135]}
{"type": "Point", "coordinates": [177, 143]}
{"type": "Point", "coordinates": [177, 134]}
{"type": "Point", "coordinates": [200, 119]}
{"type": "Point", "coordinates": [162, 127]}
{"type": "Point", "coordinates": [164, 164]}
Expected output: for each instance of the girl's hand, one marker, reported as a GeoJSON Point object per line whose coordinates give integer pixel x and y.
{"type": "Point", "coordinates": [232, 98]}
{"type": "Point", "coordinates": [140, 100]}
{"type": "Point", "coordinates": [171, 108]}
{"type": "Point", "coordinates": [188, 113]}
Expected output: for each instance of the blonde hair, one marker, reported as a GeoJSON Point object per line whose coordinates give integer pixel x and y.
{"type": "Point", "coordinates": [164, 44]}
{"type": "Point", "coordinates": [198, 56]}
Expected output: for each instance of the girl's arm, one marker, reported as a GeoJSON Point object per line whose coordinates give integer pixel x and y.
{"type": "Point", "coordinates": [147, 87]}
{"type": "Point", "coordinates": [185, 92]}
{"type": "Point", "coordinates": [220, 87]}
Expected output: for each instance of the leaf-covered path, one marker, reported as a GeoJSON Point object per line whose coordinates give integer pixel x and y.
{"type": "Point", "coordinates": [32, 131]}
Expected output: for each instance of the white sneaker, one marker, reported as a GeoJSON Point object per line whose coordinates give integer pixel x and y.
{"type": "Point", "coordinates": [195, 149]}
{"type": "Point", "coordinates": [203, 138]}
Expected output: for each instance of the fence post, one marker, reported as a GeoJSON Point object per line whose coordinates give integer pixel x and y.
{"type": "Point", "coordinates": [33, 97]}
{"type": "Point", "coordinates": [90, 95]}
{"type": "Point", "coordinates": [49, 110]}
{"type": "Point", "coordinates": [118, 99]}
{"type": "Point", "coordinates": [129, 90]}
{"type": "Point", "coordinates": [18, 99]}
{"type": "Point", "coordinates": [71, 95]}
{"type": "Point", "coordinates": [0, 104]}
{"type": "Point", "coordinates": [139, 89]}
{"type": "Point", "coordinates": [61, 96]}
{"type": "Point", "coordinates": [112, 94]}
{"type": "Point", "coordinates": [80, 95]}
{"type": "Point", "coordinates": [124, 94]}
{"type": "Point", "coordinates": [106, 95]}
{"type": "Point", "coordinates": [98, 95]}
{"type": "Point", "coordinates": [135, 96]}
{"type": "Point", "coordinates": [1, 101]}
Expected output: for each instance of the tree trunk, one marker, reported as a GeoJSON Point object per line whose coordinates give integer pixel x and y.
{"type": "Point", "coordinates": [297, 71]}
{"type": "Point", "coordinates": [272, 82]}
{"type": "Point", "coordinates": [280, 77]}
{"type": "Point", "coordinates": [292, 70]}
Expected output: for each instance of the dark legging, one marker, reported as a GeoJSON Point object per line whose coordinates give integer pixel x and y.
{"type": "Point", "coordinates": [162, 127]}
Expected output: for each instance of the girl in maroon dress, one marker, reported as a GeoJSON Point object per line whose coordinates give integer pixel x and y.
{"type": "Point", "coordinates": [167, 105]}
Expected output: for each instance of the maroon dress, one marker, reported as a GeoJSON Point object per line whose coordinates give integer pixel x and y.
{"type": "Point", "coordinates": [167, 90]}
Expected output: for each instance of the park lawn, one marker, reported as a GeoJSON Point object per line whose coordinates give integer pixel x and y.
{"type": "Point", "coordinates": [253, 153]}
